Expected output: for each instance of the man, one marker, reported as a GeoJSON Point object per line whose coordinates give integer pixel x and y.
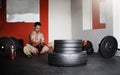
{"type": "Point", "coordinates": [36, 38]}
{"type": "Point", "coordinates": [36, 42]}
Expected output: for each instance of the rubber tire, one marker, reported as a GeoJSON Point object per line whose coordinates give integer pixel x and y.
{"type": "Point", "coordinates": [68, 45]}
{"type": "Point", "coordinates": [68, 41]}
{"type": "Point", "coordinates": [67, 50]}
{"type": "Point", "coordinates": [67, 60]}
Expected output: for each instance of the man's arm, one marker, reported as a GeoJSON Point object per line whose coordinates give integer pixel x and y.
{"type": "Point", "coordinates": [42, 39]}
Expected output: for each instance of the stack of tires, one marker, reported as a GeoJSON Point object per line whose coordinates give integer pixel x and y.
{"type": "Point", "coordinates": [67, 53]}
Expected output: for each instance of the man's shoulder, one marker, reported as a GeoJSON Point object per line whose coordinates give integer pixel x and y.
{"type": "Point", "coordinates": [32, 33]}
{"type": "Point", "coordinates": [41, 33]}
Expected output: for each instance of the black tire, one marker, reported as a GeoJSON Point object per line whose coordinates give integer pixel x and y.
{"type": "Point", "coordinates": [67, 41]}
{"type": "Point", "coordinates": [68, 45]}
{"type": "Point", "coordinates": [67, 50]}
{"type": "Point", "coordinates": [67, 60]}
{"type": "Point", "coordinates": [5, 46]}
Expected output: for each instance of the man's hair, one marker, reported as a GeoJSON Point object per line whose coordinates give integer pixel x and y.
{"type": "Point", "coordinates": [37, 23]}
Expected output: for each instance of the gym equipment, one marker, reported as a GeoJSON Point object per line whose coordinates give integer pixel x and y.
{"type": "Point", "coordinates": [9, 46]}
{"type": "Point", "coordinates": [67, 59]}
{"type": "Point", "coordinates": [108, 46]}
{"type": "Point", "coordinates": [15, 42]}
{"type": "Point", "coordinates": [21, 43]}
{"type": "Point", "coordinates": [68, 43]}
{"type": "Point", "coordinates": [5, 45]}
{"type": "Point", "coordinates": [67, 53]}
{"type": "Point", "coordinates": [88, 47]}
{"type": "Point", "coordinates": [68, 46]}
{"type": "Point", "coordinates": [67, 50]}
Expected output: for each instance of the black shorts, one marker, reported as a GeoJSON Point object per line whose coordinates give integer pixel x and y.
{"type": "Point", "coordinates": [39, 48]}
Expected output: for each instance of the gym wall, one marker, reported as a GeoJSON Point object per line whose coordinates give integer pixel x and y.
{"type": "Point", "coordinates": [55, 12]}
{"type": "Point", "coordinates": [94, 35]}
{"type": "Point", "coordinates": [59, 19]}
{"type": "Point", "coordinates": [21, 30]}
{"type": "Point", "coordinates": [116, 22]}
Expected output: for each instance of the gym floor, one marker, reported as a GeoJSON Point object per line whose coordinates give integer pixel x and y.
{"type": "Point", "coordinates": [38, 65]}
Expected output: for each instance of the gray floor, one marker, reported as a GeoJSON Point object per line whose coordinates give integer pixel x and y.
{"type": "Point", "coordinates": [38, 65]}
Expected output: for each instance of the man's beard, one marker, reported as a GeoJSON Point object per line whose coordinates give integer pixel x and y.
{"type": "Point", "coordinates": [37, 31]}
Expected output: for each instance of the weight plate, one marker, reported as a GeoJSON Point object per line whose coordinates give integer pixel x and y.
{"type": "Point", "coordinates": [15, 42]}
{"type": "Point", "coordinates": [5, 46]}
{"type": "Point", "coordinates": [108, 46]}
{"type": "Point", "coordinates": [88, 47]}
{"type": "Point", "coordinates": [21, 42]}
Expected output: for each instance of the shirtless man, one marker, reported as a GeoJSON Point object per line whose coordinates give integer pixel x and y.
{"type": "Point", "coordinates": [36, 41]}
{"type": "Point", "coordinates": [36, 38]}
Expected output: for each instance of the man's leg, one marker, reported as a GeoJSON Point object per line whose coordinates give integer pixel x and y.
{"type": "Point", "coordinates": [32, 49]}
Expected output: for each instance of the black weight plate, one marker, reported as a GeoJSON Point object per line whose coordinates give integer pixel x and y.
{"type": "Point", "coordinates": [88, 48]}
{"type": "Point", "coordinates": [90, 51]}
{"type": "Point", "coordinates": [67, 50]}
{"type": "Point", "coordinates": [15, 42]}
{"type": "Point", "coordinates": [68, 41]}
{"type": "Point", "coordinates": [67, 60]}
{"type": "Point", "coordinates": [5, 46]}
{"type": "Point", "coordinates": [21, 42]}
{"type": "Point", "coordinates": [89, 44]}
{"type": "Point", "coordinates": [108, 46]}
{"type": "Point", "coordinates": [68, 45]}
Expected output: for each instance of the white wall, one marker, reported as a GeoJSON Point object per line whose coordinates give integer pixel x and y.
{"type": "Point", "coordinates": [95, 35]}
{"type": "Point", "coordinates": [116, 22]}
{"type": "Point", "coordinates": [87, 14]}
{"type": "Point", "coordinates": [59, 19]}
